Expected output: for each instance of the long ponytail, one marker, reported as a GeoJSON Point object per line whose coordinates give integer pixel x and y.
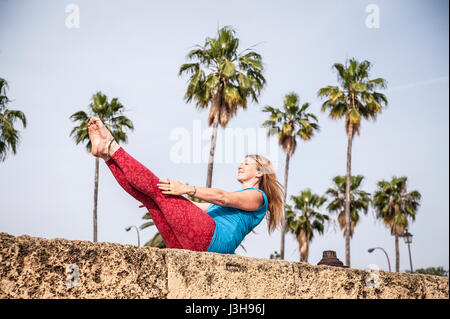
{"type": "Point", "coordinates": [273, 189]}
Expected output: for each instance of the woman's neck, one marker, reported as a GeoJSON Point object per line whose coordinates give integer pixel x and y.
{"type": "Point", "coordinates": [253, 183]}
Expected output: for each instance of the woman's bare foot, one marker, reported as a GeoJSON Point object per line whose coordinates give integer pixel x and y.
{"type": "Point", "coordinates": [100, 138]}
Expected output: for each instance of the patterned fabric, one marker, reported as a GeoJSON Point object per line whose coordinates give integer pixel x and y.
{"type": "Point", "coordinates": [169, 238]}
{"type": "Point", "coordinates": [180, 222]}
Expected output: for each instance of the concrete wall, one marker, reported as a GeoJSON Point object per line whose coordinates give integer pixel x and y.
{"type": "Point", "coordinates": [37, 268]}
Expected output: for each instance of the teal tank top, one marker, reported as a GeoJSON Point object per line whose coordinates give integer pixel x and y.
{"type": "Point", "coordinates": [233, 224]}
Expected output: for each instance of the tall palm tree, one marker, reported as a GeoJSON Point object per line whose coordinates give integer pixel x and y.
{"type": "Point", "coordinates": [354, 98]}
{"type": "Point", "coordinates": [307, 221]}
{"type": "Point", "coordinates": [224, 79]}
{"type": "Point", "coordinates": [111, 114]}
{"type": "Point", "coordinates": [9, 136]}
{"type": "Point", "coordinates": [288, 124]}
{"type": "Point", "coordinates": [359, 201]}
{"type": "Point", "coordinates": [394, 205]}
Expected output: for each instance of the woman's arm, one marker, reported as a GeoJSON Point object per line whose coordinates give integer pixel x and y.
{"type": "Point", "coordinates": [249, 200]}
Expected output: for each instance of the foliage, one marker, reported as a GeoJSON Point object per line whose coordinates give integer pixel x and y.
{"type": "Point", "coordinates": [304, 219]}
{"type": "Point", "coordinates": [275, 255]}
{"type": "Point", "coordinates": [394, 204]}
{"type": "Point", "coordinates": [222, 76]}
{"type": "Point", "coordinates": [438, 271]}
{"type": "Point", "coordinates": [359, 200]}
{"type": "Point", "coordinates": [291, 122]}
{"type": "Point", "coordinates": [109, 112]}
{"type": "Point", "coordinates": [355, 97]}
{"type": "Point", "coordinates": [9, 135]}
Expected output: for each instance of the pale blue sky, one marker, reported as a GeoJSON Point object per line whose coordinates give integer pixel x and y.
{"type": "Point", "coordinates": [133, 49]}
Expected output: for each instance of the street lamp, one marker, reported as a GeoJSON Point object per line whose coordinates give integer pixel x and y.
{"type": "Point", "coordinates": [407, 236]}
{"type": "Point", "coordinates": [372, 249]}
{"type": "Point", "coordinates": [137, 231]}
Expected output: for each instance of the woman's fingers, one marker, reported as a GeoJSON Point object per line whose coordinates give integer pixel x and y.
{"type": "Point", "coordinates": [164, 186]}
{"type": "Point", "coordinates": [163, 183]}
{"type": "Point", "coordinates": [169, 187]}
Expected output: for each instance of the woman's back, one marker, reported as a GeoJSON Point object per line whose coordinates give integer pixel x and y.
{"type": "Point", "coordinates": [232, 225]}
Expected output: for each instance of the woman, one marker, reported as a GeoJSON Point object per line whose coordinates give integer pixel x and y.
{"type": "Point", "coordinates": [220, 224]}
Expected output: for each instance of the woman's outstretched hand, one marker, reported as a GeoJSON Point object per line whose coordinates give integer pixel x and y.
{"type": "Point", "coordinates": [170, 187]}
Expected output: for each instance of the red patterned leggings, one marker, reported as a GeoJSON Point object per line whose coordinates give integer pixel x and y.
{"type": "Point", "coordinates": [180, 222]}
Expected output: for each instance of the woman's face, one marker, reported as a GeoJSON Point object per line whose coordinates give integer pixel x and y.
{"type": "Point", "coordinates": [247, 170]}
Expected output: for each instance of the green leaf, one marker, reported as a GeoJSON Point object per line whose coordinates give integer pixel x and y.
{"type": "Point", "coordinates": [359, 86]}
{"type": "Point", "coordinates": [147, 224]}
{"type": "Point", "coordinates": [212, 81]}
{"type": "Point", "coordinates": [227, 69]}
{"type": "Point", "coordinates": [354, 116]}
{"type": "Point", "coordinates": [287, 129]}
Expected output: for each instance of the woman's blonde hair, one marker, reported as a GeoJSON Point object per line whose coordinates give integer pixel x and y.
{"type": "Point", "coordinates": [273, 189]}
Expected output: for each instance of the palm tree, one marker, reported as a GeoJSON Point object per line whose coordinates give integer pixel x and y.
{"type": "Point", "coordinates": [288, 124]}
{"type": "Point", "coordinates": [309, 220]}
{"type": "Point", "coordinates": [111, 114]}
{"type": "Point", "coordinates": [9, 136]}
{"type": "Point", "coordinates": [394, 205]}
{"type": "Point", "coordinates": [354, 98]}
{"type": "Point", "coordinates": [359, 200]}
{"type": "Point", "coordinates": [224, 79]}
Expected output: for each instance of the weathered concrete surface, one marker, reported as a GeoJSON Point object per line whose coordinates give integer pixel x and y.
{"type": "Point", "coordinates": [36, 268]}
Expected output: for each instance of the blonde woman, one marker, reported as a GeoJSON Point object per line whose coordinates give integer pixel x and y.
{"type": "Point", "coordinates": [220, 224]}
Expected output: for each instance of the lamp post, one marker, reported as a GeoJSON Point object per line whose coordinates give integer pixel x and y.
{"type": "Point", "coordinates": [407, 236]}
{"type": "Point", "coordinates": [387, 257]}
{"type": "Point", "coordinates": [137, 231]}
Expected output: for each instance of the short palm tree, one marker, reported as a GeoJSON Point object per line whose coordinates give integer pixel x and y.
{"type": "Point", "coordinates": [223, 79]}
{"type": "Point", "coordinates": [359, 201]}
{"type": "Point", "coordinates": [9, 136]}
{"type": "Point", "coordinates": [111, 114]}
{"type": "Point", "coordinates": [305, 219]}
{"type": "Point", "coordinates": [394, 205]}
{"type": "Point", "coordinates": [288, 124]}
{"type": "Point", "coordinates": [354, 99]}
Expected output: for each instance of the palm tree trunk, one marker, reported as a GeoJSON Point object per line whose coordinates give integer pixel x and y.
{"type": "Point", "coordinates": [347, 195]}
{"type": "Point", "coordinates": [303, 242]}
{"type": "Point", "coordinates": [397, 255]}
{"type": "Point", "coordinates": [95, 199]}
{"type": "Point", "coordinates": [212, 150]}
{"type": "Point", "coordinates": [283, 224]}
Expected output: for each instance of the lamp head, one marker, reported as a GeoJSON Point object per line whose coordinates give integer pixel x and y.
{"type": "Point", "coordinates": [407, 236]}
